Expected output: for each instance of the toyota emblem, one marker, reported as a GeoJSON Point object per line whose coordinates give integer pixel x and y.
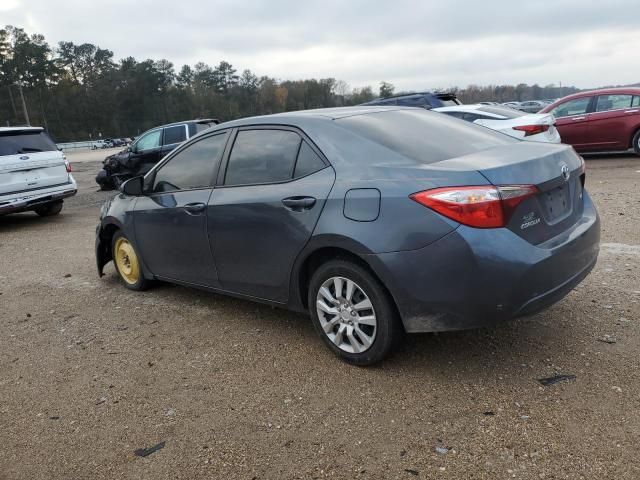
{"type": "Point", "coordinates": [565, 172]}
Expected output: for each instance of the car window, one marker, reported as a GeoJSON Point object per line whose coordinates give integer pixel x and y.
{"type": "Point", "coordinates": [175, 134]}
{"type": "Point", "coordinates": [636, 101]}
{"type": "Point", "coordinates": [26, 141]}
{"type": "Point", "coordinates": [192, 167]}
{"type": "Point", "coordinates": [308, 162]}
{"type": "Point", "coordinates": [149, 140]}
{"type": "Point", "coordinates": [262, 156]}
{"type": "Point", "coordinates": [572, 107]}
{"type": "Point", "coordinates": [613, 102]}
{"type": "Point", "coordinates": [424, 136]}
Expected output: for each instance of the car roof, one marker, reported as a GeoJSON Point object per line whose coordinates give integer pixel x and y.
{"type": "Point", "coordinates": [296, 117]}
{"type": "Point", "coordinates": [470, 108]}
{"type": "Point", "coordinates": [21, 129]}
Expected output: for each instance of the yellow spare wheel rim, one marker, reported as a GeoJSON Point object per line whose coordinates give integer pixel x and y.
{"type": "Point", "coordinates": [127, 261]}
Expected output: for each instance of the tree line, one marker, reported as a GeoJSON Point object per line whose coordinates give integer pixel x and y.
{"type": "Point", "coordinates": [80, 91]}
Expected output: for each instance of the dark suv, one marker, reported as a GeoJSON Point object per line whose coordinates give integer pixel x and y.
{"type": "Point", "coordinates": [147, 150]}
{"type": "Point", "coordinates": [426, 100]}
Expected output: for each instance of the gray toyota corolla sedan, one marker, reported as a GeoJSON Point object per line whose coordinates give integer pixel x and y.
{"type": "Point", "coordinates": [375, 220]}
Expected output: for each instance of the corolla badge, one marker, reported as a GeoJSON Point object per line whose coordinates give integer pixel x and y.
{"type": "Point", "coordinates": [564, 169]}
{"type": "Point", "coordinates": [529, 220]}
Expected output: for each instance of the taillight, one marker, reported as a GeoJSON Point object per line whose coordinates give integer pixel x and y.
{"type": "Point", "coordinates": [67, 165]}
{"type": "Point", "coordinates": [532, 129]}
{"type": "Point", "coordinates": [479, 207]}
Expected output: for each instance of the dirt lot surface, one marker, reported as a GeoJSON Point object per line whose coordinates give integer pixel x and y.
{"type": "Point", "coordinates": [91, 372]}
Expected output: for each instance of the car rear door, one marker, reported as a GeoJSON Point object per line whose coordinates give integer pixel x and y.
{"type": "Point", "coordinates": [571, 122]}
{"type": "Point", "coordinates": [29, 160]}
{"type": "Point", "coordinates": [170, 220]}
{"type": "Point", "coordinates": [610, 124]}
{"type": "Point", "coordinates": [270, 195]}
{"type": "Point", "coordinates": [172, 137]}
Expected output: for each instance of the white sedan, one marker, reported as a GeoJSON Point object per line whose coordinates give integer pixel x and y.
{"type": "Point", "coordinates": [539, 127]}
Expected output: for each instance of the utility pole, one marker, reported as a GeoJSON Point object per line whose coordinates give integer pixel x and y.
{"type": "Point", "coordinates": [24, 105]}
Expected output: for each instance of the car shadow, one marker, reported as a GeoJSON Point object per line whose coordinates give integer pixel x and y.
{"type": "Point", "coordinates": [479, 351]}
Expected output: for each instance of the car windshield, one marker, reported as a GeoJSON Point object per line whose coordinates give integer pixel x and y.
{"type": "Point", "coordinates": [26, 141]}
{"type": "Point", "coordinates": [503, 111]}
{"type": "Point", "coordinates": [424, 136]}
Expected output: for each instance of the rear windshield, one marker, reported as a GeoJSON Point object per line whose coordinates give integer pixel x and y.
{"type": "Point", "coordinates": [424, 136]}
{"type": "Point", "coordinates": [504, 111]}
{"type": "Point", "coordinates": [12, 143]}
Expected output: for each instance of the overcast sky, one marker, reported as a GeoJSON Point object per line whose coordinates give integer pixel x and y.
{"type": "Point", "coordinates": [413, 44]}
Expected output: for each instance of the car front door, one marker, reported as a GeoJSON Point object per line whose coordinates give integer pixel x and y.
{"type": "Point", "coordinates": [170, 220]}
{"type": "Point", "coordinates": [145, 152]}
{"type": "Point", "coordinates": [611, 122]}
{"type": "Point", "coordinates": [269, 199]}
{"type": "Point", "coordinates": [571, 122]}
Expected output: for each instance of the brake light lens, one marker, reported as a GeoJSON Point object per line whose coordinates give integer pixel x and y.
{"type": "Point", "coordinates": [67, 165]}
{"type": "Point", "coordinates": [532, 129]}
{"type": "Point", "coordinates": [479, 207]}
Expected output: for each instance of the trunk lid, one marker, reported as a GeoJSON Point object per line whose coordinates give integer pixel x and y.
{"type": "Point", "coordinates": [29, 160]}
{"type": "Point", "coordinates": [557, 172]}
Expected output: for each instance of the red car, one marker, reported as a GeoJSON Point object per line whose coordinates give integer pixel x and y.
{"type": "Point", "coordinates": [599, 121]}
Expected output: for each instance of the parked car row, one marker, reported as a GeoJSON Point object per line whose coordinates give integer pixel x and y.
{"type": "Point", "coordinates": [110, 143]}
{"type": "Point", "coordinates": [376, 220]}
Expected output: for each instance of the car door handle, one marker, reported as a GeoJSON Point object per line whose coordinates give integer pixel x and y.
{"type": "Point", "coordinates": [194, 208]}
{"type": "Point", "coordinates": [298, 204]}
{"type": "Point", "coordinates": [578, 118]}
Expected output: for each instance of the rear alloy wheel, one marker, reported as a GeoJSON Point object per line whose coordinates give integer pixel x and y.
{"type": "Point", "coordinates": [636, 142]}
{"type": "Point", "coordinates": [353, 313]}
{"type": "Point", "coordinates": [49, 209]}
{"type": "Point", "coordinates": [127, 263]}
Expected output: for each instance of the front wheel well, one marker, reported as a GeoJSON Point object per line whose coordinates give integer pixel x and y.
{"type": "Point", "coordinates": [322, 255]}
{"type": "Point", "coordinates": [107, 234]}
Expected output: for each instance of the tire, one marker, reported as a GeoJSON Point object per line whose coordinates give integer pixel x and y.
{"type": "Point", "coordinates": [365, 343]}
{"type": "Point", "coordinates": [49, 209]}
{"type": "Point", "coordinates": [127, 263]}
{"type": "Point", "coordinates": [636, 143]}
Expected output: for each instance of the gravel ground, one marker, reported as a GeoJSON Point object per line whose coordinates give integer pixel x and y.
{"type": "Point", "coordinates": [91, 372]}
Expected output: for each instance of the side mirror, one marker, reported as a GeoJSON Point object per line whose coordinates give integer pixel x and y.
{"type": "Point", "coordinates": [130, 149]}
{"type": "Point", "coordinates": [133, 187]}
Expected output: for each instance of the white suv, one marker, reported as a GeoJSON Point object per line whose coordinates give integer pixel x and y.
{"type": "Point", "coordinates": [34, 174]}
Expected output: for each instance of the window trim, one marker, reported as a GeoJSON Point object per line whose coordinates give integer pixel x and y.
{"type": "Point", "coordinates": [150, 177]}
{"type": "Point", "coordinates": [232, 140]}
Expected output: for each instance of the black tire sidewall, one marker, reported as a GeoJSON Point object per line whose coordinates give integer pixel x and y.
{"type": "Point", "coordinates": [388, 328]}
{"type": "Point", "coordinates": [49, 209]}
{"type": "Point", "coordinates": [142, 283]}
{"type": "Point", "coordinates": [636, 142]}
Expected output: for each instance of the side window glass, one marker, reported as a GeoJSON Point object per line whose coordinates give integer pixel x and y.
{"type": "Point", "coordinates": [613, 102]}
{"type": "Point", "coordinates": [308, 162]}
{"type": "Point", "coordinates": [262, 156]}
{"type": "Point", "coordinates": [148, 141]}
{"type": "Point", "coordinates": [176, 134]}
{"type": "Point", "coordinates": [636, 101]}
{"type": "Point", "coordinates": [192, 167]}
{"type": "Point", "coordinates": [572, 107]}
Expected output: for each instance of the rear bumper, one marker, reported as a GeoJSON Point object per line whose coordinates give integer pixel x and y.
{"type": "Point", "coordinates": [475, 277]}
{"type": "Point", "coordinates": [25, 201]}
